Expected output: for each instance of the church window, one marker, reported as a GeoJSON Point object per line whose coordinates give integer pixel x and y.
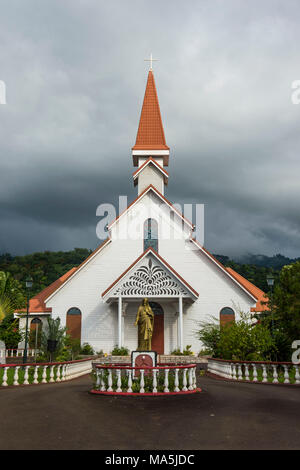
{"type": "Point", "coordinates": [227, 315]}
{"type": "Point", "coordinates": [73, 323]}
{"type": "Point", "coordinates": [74, 311]}
{"type": "Point", "coordinates": [151, 234]}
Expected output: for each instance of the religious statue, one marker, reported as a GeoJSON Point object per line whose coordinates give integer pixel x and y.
{"type": "Point", "coordinates": [144, 321]}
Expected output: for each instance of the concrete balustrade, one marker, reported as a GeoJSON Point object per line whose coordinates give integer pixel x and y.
{"type": "Point", "coordinates": [40, 373]}
{"type": "Point", "coordinates": [256, 371]}
{"type": "Point", "coordinates": [120, 379]}
{"type": "Point", "coordinates": [6, 353]}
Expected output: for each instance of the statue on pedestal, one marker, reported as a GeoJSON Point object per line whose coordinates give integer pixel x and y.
{"type": "Point", "coordinates": [145, 322]}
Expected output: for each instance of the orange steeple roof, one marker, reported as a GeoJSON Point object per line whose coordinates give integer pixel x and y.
{"type": "Point", "coordinates": [150, 135]}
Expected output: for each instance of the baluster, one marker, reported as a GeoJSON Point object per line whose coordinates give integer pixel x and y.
{"type": "Point", "coordinates": [142, 382]}
{"type": "Point", "coordinates": [109, 381]}
{"type": "Point", "coordinates": [103, 388]}
{"type": "Point", "coordinates": [51, 374]}
{"type": "Point", "coordinates": [176, 389]}
{"type": "Point", "coordinates": [44, 376]}
{"type": "Point", "coordinates": [275, 374]}
{"type": "Point", "coordinates": [240, 373]}
{"type": "Point", "coordinates": [246, 372]}
{"type": "Point", "coordinates": [63, 372]}
{"type": "Point", "coordinates": [254, 373]}
{"type": "Point", "coordinates": [191, 379]}
{"type": "Point", "coordinates": [297, 376]}
{"type": "Point", "coordinates": [264, 374]}
{"type": "Point", "coordinates": [26, 375]}
{"type": "Point", "coordinates": [184, 382]}
{"type": "Point", "coordinates": [4, 380]}
{"type": "Point", "coordinates": [35, 375]}
{"type": "Point", "coordinates": [286, 374]}
{"type": "Point", "coordinates": [22, 352]}
{"type": "Point", "coordinates": [166, 389]}
{"type": "Point", "coordinates": [98, 379]}
{"type": "Point", "coordinates": [154, 372]}
{"type": "Point", "coordinates": [194, 378]}
{"type": "Point", "coordinates": [16, 376]}
{"type": "Point", "coordinates": [129, 389]}
{"type": "Point", "coordinates": [58, 379]}
{"type": "Point", "coordinates": [232, 370]}
{"type": "Point", "coordinates": [119, 383]}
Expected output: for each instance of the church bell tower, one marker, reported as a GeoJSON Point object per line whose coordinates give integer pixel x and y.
{"type": "Point", "coordinates": [150, 152]}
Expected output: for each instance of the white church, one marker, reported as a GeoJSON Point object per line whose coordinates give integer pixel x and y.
{"type": "Point", "coordinates": [150, 252]}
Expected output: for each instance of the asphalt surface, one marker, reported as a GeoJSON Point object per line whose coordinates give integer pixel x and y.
{"type": "Point", "coordinates": [224, 416]}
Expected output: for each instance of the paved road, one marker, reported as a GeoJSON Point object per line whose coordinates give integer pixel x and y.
{"type": "Point", "coordinates": [224, 416]}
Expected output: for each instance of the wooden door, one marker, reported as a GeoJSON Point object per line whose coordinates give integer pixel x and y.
{"type": "Point", "coordinates": [158, 334]}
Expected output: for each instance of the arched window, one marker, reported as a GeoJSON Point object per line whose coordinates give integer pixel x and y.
{"type": "Point", "coordinates": [74, 311]}
{"type": "Point", "coordinates": [227, 315]}
{"type": "Point", "coordinates": [73, 323]}
{"type": "Point", "coordinates": [151, 234]}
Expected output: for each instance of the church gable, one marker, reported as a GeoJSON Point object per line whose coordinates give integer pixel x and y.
{"type": "Point", "coordinates": [150, 276]}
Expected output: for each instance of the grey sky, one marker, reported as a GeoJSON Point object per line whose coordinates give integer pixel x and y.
{"type": "Point", "coordinates": [75, 77]}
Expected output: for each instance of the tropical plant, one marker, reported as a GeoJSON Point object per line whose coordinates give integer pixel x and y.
{"type": "Point", "coordinates": [54, 332]}
{"type": "Point", "coordinates": [9, 331]}
{"type": "Point", "coordinates": [241, 340]}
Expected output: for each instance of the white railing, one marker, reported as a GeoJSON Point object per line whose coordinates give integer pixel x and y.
{"type": "Point", "coordinates": [17, 352]}
{"type": "Point", "coordinates": [256, 371]}
{"type": "Point", "coordinates": [127, 380]}
{"type": "Point", "coordinates": [50, 372]}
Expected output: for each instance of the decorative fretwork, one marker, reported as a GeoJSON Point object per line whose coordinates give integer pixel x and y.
{"type": "Point", "coordinates": [149, 281]}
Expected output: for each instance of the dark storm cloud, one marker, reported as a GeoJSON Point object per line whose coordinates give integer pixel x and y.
{"type": "Point", "coordinates": [75, 81]}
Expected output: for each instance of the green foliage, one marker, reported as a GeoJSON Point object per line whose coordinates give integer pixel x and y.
{"type": "Point", "coordinates": [73, 346]}
{"type": "Point", "coordinates": [120, 351]}
{"type": "Point", "coordinates": [186, 352]}
{"type": "Point", "coordinates": [284, 309]}
{"type": "Point", "coordinates": [240, 340]}
{"type": "Point", "coordinates": [44, 267]}
{"type": "Point", "coordinates": [86, 349]}
{"type": "Point", "coordinates": [9, 332]}
{"type": "Point", "coordinates": [53, 332]}
{"type": "Point", "coordinates": [11, 296]}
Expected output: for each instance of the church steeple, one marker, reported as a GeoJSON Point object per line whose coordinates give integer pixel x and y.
{"type": "Point", "coordinates": [150, 139]}
{"type": "Point", "coordinates": [150, 145]}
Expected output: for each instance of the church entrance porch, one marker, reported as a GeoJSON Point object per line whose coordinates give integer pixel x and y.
{"type": "Point", "coordinates": [168, 323]}
{"type": "Point", "coordinates": [151, 277]}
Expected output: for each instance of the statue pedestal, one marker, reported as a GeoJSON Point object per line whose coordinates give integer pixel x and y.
{"type": "Point", "coordinates": [143, 359]}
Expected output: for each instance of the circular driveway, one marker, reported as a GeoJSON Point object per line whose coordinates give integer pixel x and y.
{"type": "Point", "coordinates": [224, 416]}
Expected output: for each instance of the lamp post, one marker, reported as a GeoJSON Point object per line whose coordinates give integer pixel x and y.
{"type": "Point", "coordinates": [28, 284]}
{"type": "Point", "coordinates": [270, 282]}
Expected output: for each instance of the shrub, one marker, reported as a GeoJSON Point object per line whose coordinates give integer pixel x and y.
{"type": "Point", "coordinates": [123, 351]}
{"type": "Point", "coordinates": [241, 340]}
{"type": "Point", "coordinates": [186, 352]}
{"type": "Point", "coordinates": [87, 349]}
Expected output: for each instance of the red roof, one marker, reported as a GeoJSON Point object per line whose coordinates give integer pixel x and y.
{"type": "Point", "coordinates": [37, 303]}
{"type": "Point", "coordinates": [258, 293]}
{"type": "Point", "coordinates": [150, 135]}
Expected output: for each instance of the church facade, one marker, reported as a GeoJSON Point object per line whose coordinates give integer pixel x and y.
{"type": "Point", "coordinates": [150, 252]}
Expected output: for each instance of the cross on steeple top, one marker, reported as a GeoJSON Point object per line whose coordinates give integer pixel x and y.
{"type": "Point", "coordinates": [150, 60]}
